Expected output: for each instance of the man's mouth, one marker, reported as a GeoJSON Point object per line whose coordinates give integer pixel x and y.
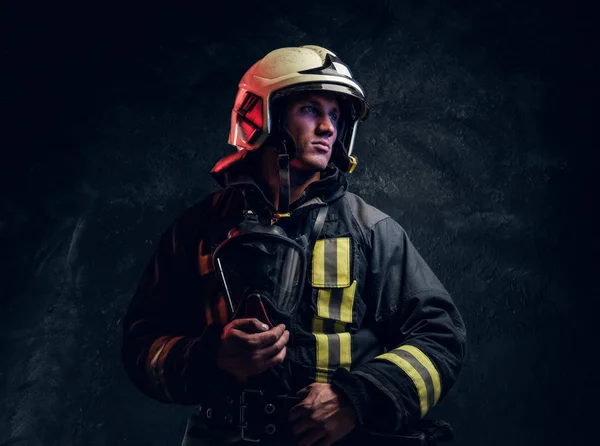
{"type": "Point", "coordinates": [321, 146]}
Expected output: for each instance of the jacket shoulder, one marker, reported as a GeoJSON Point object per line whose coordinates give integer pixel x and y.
{"type": "Point", "coordinates": [191, 214]}
{"type": "Point", "coordinates": [200, 210]}
{"type": "Point", "coordinates": [365, 214]}
{"type": "Point", "coordinates": [192, 221]}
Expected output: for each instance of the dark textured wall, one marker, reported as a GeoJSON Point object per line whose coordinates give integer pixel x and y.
{"type": "Point", "coordinates": [475, 145]}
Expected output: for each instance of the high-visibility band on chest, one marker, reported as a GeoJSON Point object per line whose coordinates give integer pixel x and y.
{"type": "Point", "coordinates": [331, 263]}
{"type": "Point", "coordinates": [336, 303]}
{"type": "Point", "coordinates": [333, 352]}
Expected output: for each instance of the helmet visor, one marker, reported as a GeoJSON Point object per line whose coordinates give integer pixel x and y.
{"type": "Point", "coordinates": [357, 106]}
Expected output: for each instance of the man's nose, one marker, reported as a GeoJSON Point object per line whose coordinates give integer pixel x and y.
{"type": "Point", "coordinates": [325, 126]}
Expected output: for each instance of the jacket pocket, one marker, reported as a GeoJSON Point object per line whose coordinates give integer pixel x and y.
{"type": "Point", "coordinates": [332, 263]}
{"type": "Point", "coordinates": [334, 285]}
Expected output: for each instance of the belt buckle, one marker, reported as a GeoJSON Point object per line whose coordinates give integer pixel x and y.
{"type": "Point", "coordinates": [243, 422]}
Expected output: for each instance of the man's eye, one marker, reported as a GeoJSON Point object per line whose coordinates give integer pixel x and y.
{"type": "Point", "coordinates": [309, 109]}
{"type": "Point", "coordinates": [334, 116]}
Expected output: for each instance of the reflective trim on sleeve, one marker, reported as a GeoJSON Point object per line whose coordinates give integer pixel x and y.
{"type": "Point", "coordinates": [426, 362]}
{"type": "Point", "coordinates": [333, 351]}
{"type": "Point", "coordinates": [208, 312]}
{"type": "Point", "coordinates": [217, 312]}
{"type": "Point", "coordinates": [222, 311]}
{"type": "Point", "coordinates": [205, 261]}
{"type": "Point", "coordinates": [157, 355]}
{"type": "Point", "coordinates": [421, 371]}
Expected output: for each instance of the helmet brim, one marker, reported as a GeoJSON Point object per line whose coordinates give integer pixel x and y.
{"type": "Point", "coordinates": [361, 106]}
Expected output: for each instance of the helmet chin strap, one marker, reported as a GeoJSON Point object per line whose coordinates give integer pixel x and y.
{"type": "Point", "coordinates": [286, 150]}
{"type": "Point", "coordinates": [283, 162]}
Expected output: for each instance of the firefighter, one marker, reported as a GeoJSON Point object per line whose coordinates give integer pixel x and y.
{"type": "Point", "coordinates": [282, 307]}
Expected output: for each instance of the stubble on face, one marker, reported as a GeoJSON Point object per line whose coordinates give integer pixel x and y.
{"type": "Point", "coordinates": [312, 123]}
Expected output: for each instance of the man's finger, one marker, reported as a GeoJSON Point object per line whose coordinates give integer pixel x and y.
{"type": "Point", "coordinates": [270, 351]}
{"type": "Point", "coordinates": [312, 437]}
{"type": "Point", "coordinates": [302, 425]}
{"type": "Point", "coordinates": [296, 412]}
{"type": "Point", "coordinates": [304, 391]}
{"type": "Point", "coordinates": [325, 441]}
{"type": "Point", "coordinates": [277, 359]}
{"type": "Point", "coordinates": [249, 325]}
{"type": "Point", "coordinates": [262, 340]}
{"type": "Point", "coordinates": [261, 365]}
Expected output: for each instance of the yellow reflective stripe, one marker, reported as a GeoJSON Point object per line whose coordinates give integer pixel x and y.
{"type": "Point", "coordinates": [345, 350]}
{"type": "Point", "coordinates": [159, 350]}
{"type": "Point", "coordinates": [318, 325]}
{"type": "Point", "coordinates": [318, 273]}
{"type": "Point", "coordinates": [322, 358]}
{"type": "Point", "coordinates": [347, 303]}
{"type": "Point", "coordinates": [340, 308]}
{"type": "Point", "coordinates": [343, 261]}
{"type": "Point", "coordinates": [339, 327]}
{"type": "Point", "coordinates": [426, 362]}
{"type": "Point", "coordinates": [331, 263]}
{"type": "Point", "coordinates": [154, 352]}
{"type": "Point", "coordinates": [161, 363]}
{"type": "Point", "coordinates": [333, 351]}
{"type": "Point", "coordinates": [323, 300]}
{"type": "Point", "coordinates": [414, 376]}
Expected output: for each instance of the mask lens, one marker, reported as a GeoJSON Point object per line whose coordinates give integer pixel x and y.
{"type": "Point", "coordinates": [271, 266]}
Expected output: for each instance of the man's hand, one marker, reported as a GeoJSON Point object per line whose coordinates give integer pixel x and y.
{"type": "Point", "coordinates": [249, 348]}
{"type": "Point", "coordinates": [322, 417]}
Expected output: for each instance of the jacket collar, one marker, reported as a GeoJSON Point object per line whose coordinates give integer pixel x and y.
{"type": "Point", "coordinates": [240, 171]}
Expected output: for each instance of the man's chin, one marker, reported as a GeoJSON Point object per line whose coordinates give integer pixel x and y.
{"type": "Point", "coordinates": [307, 167]}
{"type": "Point", "coordinates": [307, 171]}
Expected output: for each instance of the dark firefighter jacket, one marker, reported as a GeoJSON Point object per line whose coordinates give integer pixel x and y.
{"type": "Point", "coordinates": [374, 321]}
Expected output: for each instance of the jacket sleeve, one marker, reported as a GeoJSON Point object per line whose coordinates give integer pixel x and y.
{"type": "Point", "coordinates": [168, 348]}
{"type": "Point", "coordinates": [421, 330]}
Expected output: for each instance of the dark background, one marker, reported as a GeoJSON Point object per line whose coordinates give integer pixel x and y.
{"type": "Point", "coordinates": [479, 143]}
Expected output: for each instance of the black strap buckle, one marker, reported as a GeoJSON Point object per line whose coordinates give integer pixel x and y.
{"type": "Point", "coordinates": [243, 419]}
{"type": "Point", "coordinates": [263, 415]}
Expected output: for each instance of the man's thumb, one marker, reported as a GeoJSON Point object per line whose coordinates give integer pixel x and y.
{"type": "Point", "coordinates": [251, 325]}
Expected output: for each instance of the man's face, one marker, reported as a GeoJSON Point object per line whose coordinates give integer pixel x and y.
{"type": "Point", "coordinates": [312, 121]}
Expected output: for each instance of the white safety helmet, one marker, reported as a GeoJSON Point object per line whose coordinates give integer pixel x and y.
{"type": "Point", "coordinates": [286, 70]}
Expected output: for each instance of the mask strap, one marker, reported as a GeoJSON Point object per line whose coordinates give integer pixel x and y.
{"type": "Point", "coordinates": [283, 161]}
{"type": "Point", "coordinates": [248, 212]}
{"type": "Point", "coordinates": [319, 222]}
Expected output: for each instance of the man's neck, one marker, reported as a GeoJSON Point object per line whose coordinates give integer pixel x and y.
{"type": "Point", "coordinates": [299, 180]}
